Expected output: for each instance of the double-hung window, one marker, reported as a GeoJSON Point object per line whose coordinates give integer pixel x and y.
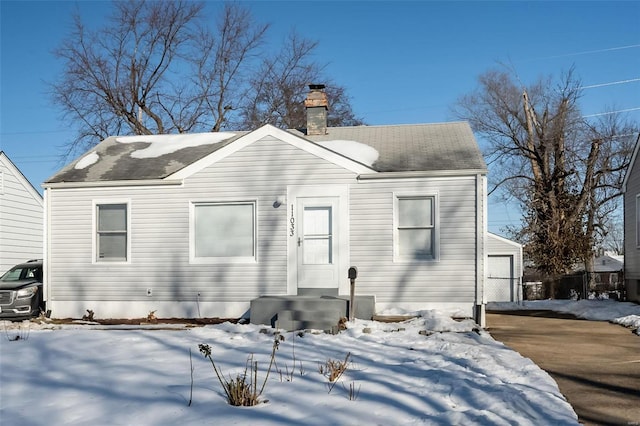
{"type": "Point", "coordinates": [223, 232]}
{"type": "Point", "coordinates": [111, 233]}
{"type": "Point", "coordinates": [415, 233]}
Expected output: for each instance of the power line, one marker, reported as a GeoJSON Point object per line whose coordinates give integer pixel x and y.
{"type": "Point", "coordinates": [587, 52]}
{"type": "Point", "coordinates": [611, 112]}
{"type": "Point", "coordinates": [35, 161]}
{"type": "Point", "coordinates": [611, 83]}
{"type": "Point", "coordinates": [33, 156]}
{"type": "Point", "coordinates": [32, 132]}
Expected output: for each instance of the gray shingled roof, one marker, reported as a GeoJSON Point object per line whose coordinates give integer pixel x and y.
{"type": "Point", "coordinates": [401, 148]}
{"type": "Point", "coordinates": [116, 163]}
{"type": "Point", "coordinates": [414, 147]}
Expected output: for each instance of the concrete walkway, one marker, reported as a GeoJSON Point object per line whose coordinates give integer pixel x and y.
{"type": "Point", "coordinates": [595, 364]}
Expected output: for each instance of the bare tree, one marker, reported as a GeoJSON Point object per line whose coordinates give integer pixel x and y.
{"type": "Point", "coordinates": [225, 63]}
{"type": "Point", "coordinates": [565, 171]}
{"type": "Point", "coordinates": [114, 76]}
{"type": "Point", "coordinates": [280, 87]}
{"type": "Point", "coordinates": [614, 238]}
{"type": "Point", "coordinates": [159, 67]}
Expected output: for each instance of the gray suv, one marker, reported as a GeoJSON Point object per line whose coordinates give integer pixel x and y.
{"type": "Point", "coordinates": [21, 291]}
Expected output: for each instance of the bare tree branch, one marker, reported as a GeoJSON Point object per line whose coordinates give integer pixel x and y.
{"type": "Point", "coordinates": [164, 67]}
{"type": "Point", "coordinates": [565, 171]}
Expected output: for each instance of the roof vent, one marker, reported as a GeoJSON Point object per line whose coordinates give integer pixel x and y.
{"type": "Point", "coordinates": [317, 106]}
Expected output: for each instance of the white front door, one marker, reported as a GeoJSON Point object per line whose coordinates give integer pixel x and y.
{"type": "Point", "coordinates": [318, 242]}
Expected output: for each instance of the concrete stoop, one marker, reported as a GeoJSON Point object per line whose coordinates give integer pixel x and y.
{"type": "Point", "coordinates": [308, 312]}
{"type": "Point", "coordinates": [309, 320]}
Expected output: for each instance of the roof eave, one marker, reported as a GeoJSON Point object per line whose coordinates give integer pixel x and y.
{"type": "Point", "coordinates": [421, 174]}
{"type": "Point", "coordinates": [18, 174]}
{"type": "Point", "coordinates": [112, 183]}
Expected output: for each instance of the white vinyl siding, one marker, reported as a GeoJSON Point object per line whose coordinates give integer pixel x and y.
{"type": "Point", "coordinates": [21, 217]}
{"type": "Point", "coordinates": [160, 234]}
{"type": "Point", "coordinates": [415, 228]}
{"type": "Point", "coordinates": [632, 231]}
{"type": "Point", "coordinates": [450, 279]}
{"type": "Point", "coordinates": [223, 232]}
{"type": "Point", "coordinates": [111, 232]}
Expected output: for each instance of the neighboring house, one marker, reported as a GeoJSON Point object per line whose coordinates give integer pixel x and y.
{"type": "Point", "coordinates": [631, 190]}
{"type": "Point", "coordinates": [201, 224]}
{"type": "Point", "coordinates": [504, 270]}
{"type": "Point", "coordinates": [608, 271]}
{"type": "Point", "coordinates": [606, 276]}
{"type": "Point", "coordinates": [21, 217]}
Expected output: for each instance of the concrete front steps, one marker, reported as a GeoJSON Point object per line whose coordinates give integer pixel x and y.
{"type": "Point", "coordinates": [327, 321]}
{"type": "Point", "coordinates": [308, 312]}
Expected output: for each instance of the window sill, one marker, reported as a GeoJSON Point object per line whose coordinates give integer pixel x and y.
{"type": "Point", "coordinates": [222, 260]}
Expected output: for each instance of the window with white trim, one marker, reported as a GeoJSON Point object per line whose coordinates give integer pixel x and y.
{"type": "Point", "coordinates": [111, 232]}
{"type": "Point", "coordinates": [224, 231]}
{"type": "Point", "coordinates": [415, 233]}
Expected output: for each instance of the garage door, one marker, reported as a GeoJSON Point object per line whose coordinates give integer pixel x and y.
{"type": "Point", "coordinates": [500, 282]}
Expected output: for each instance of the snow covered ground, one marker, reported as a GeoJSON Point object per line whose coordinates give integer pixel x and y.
{"type": "Point", "coordinates": [623, 313]}
{"type": "Point", "coordinates": [431, 370]}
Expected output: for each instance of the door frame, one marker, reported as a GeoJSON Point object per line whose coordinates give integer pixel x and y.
{"type": "Point", "coordinates": [341, 192]}
{"type": "Point", "coordinates": [324, 275]}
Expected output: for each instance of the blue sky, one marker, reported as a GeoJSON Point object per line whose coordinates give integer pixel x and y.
{"type": "Point", "coordinates": [402, 62]}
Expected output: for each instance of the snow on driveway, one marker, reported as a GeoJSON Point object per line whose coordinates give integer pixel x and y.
{"type": "Point", "coordinates": [623, 313]}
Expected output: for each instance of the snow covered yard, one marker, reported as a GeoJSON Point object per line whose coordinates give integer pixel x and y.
{"type": "Point", "coordinates": [430, 370]}
{"type": "Point", "coordinates": [623, 313]}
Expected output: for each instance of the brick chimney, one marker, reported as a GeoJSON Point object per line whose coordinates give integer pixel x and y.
{"type": "Point", "coordinates": [317, 107]}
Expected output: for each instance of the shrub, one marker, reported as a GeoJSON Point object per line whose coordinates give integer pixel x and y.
{"type": "Point", "coordinates": [333, 369]}
{"type": "Point", "coordinates": [242, 391]}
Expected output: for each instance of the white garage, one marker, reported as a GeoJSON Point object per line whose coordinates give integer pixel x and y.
{"type": "Point", "coordinates": [504, 270]}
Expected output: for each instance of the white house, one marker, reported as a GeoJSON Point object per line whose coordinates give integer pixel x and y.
{"type": "Point", "coordinates": [202, 224]}
{"type": "Point", "coordinates": [21, 217]}
{"type": "Point", "coordinates": [631, 190]}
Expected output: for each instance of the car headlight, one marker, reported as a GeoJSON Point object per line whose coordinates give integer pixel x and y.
{"type": "Point", "coordinates": [26, 293]}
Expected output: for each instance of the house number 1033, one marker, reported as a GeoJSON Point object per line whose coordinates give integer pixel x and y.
{"type": "Point", "coordinates": [292, 223]}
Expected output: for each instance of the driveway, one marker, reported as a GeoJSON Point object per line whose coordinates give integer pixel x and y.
{"type": "Point", "coordinates": [595, 364]}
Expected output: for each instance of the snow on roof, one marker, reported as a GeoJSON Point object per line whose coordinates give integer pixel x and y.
{"type": "Point", "coordinates": [398, 148]}
{"type": "Point", "coordinates": [87, 160]}
{"type": "Point", "coordinates": [167, 144]}
{"type": "Point", "coordinates": [357, 151]}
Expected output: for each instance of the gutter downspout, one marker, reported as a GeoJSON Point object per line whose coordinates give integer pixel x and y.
{"type": "Point", "coordinates": [481, 249]}
{"type": "Point", "coordinates": [46, 250]}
